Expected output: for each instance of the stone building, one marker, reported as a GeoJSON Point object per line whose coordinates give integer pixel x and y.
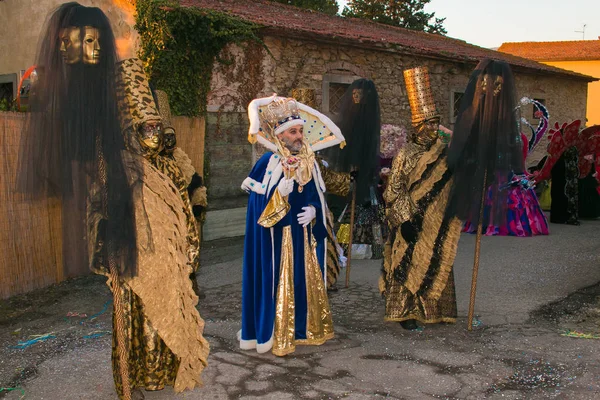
{"type": "Point", "coordinates": [326, 53]}
{"type": "Point", "coordinates": [307, 50]}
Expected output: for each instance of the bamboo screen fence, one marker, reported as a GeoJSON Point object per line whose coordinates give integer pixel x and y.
{"type": "Point", "coordinates": [190, 137]}
{"type": "Point", "coordinates": [30, 232]}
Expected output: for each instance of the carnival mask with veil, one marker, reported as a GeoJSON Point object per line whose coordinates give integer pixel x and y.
{"type": "Point", "coordinates": [486, 147]}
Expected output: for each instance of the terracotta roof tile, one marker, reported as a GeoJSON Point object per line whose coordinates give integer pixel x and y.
{"type": "Point", "coordinates": [289, 20]}
{"type": "Point", "coordinates": [576, 50]}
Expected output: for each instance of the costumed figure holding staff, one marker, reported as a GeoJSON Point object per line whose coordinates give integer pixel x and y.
{"type": "Point", "coordinates": [417, 278]}
{"type": "Point", "coordinates": [486, 152]}
{"type": "Point", "coordinates": [358, 117]}
{"type": "Point", "coordinates": [284, 297]}
{"type": "Point", "coordinates": [127, 211]}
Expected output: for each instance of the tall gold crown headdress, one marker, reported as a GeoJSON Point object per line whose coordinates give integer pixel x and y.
{"type": "Point", "coordinates": [420, 96]}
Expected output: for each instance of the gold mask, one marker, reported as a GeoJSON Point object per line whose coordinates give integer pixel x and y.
{"type": "Point", "coordinates": [357, 95]}
{"type": "Point", "coordinates": [70, 45]}
{"type": "Point", "coordinates": [427, 131]}
{"type": "Point", "coordinates": [497, 84]}
{"type": "Point", "coordinates": [151, 137]}
{"type": "Point", "coordinates": [170, 139]}
{"type": "Point", "coordinates": [91, 45]}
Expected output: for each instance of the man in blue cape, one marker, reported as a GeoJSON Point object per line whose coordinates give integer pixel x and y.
{"type": "Point", "coordinates": [284, 297]}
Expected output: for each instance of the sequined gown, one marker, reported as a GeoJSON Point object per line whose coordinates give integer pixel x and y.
{"type": "Point", "coordinates": [163, 329]}
{"type": "Point", "coordinates": [417, 279]}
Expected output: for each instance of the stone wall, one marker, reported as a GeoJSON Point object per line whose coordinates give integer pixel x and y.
{"type": "Point", "coordinates": [228, 159]}
{"type": "Point", "coordinates": [565, 99]}
{"type": "Point", "coordinates": [296, 64]}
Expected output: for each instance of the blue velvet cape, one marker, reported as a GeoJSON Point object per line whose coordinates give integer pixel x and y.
{"type": "Point", "coordinates": [262, 254]}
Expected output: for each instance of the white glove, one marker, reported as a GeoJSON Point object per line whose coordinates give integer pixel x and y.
{"type": "Point", "coordinates": [305, 217]}
{"type": "Point", "coordinates": [285, 186]}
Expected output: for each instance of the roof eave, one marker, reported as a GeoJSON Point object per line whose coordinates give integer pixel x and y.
{"type": "Point", "coordinates": [370, 44]}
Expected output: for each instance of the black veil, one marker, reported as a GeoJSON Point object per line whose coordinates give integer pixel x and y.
{"type": "Point", "coordinates": [360, 124]}
{"type": "Point", "coordinates": [73, 138]}
{"type": "Point", "coordinates": [486, 143]}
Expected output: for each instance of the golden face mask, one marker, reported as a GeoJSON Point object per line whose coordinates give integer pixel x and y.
{"type": "Point", "coordinates": [357, 95]}
{"type": "Point", "coordinates": [91, 45]}
{"type": "Point", "coordinates": [427, 131]}
{"type": "Point", "coordinates": [70, 45]}
{"type": "Point", "coordinates": [151, 136]}
{"type": "Point", "coordinates": [170, 139]}
{"type": "Point", "coordinates": [497, 84]}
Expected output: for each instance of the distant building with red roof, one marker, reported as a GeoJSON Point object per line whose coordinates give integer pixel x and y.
{"type": "Point", "coordinates": [581, 56]}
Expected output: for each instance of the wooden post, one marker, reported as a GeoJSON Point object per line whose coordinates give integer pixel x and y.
{"type": "Point", "coordinates": [477, 253]}
{"type": "Point", "coordinates": [119, 310]}
{"type": "Point", "coordinates": [352, 211]}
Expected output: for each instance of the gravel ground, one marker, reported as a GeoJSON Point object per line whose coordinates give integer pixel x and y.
{"type": "Point", "coordinates": [530, 292]}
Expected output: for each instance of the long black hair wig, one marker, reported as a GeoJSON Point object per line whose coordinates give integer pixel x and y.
{"type": "Point", "coordinates": [360, 123]}
{"type": "Point", "coordinates": [486, 147]}
{"type": "Point", "coordinates": [73, 138]}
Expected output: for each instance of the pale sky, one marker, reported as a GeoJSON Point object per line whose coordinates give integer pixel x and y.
{"type": "Point", "coordinates": [489, 23]}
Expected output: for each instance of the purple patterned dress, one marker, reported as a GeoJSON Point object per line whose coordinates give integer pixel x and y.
{"type": "Point", "coordinates": [524, 216]}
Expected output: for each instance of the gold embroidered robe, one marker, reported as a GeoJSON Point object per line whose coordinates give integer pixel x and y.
{"type": "Point", "coordinates": [417, 278]}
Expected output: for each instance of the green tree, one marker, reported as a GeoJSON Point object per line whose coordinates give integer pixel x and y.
{"type": "Point", "coordinates": [325, 6]}
{"type": "Point", "coordinates": [403, 13]}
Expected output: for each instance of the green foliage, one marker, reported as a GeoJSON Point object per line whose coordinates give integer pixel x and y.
{"type": "Point", "coordinates": [325, 6]}
{"type": "Point", "coordinates": [7, 105]}
{"type": "Point", "coordinates": [179, 46]}
{"type": "Point", "coordinates": [403, 13]}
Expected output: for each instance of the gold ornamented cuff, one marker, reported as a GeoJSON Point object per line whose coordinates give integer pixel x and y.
{"type": "Point", "coordinates": [275, 210]}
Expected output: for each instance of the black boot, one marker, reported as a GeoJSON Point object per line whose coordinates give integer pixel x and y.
{"type": "Point", "coordinates": [409, 324]}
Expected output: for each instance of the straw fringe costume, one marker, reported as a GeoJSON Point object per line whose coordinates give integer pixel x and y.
{"type": "Point", "coordinates": [417, 279]}
{"type": "Point", "coordinates": [163, 327]}
{"type": "Point", "coordinates": [138, 107]}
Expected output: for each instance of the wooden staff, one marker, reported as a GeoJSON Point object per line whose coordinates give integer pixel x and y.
{"type": "Point", "coordinates": [352, 211]}
{"type": "Point", "coordinates": [477, 253]}
{"type": "Point", "coordinates": [118, 301]}
{"type": "Point", "coordinates": [122, 349]}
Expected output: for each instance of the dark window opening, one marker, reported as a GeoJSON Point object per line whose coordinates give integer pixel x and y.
{"type": "Point", "coordinates": [336, 92]}
{"type": "Point", "coordinates": [456, 98]}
